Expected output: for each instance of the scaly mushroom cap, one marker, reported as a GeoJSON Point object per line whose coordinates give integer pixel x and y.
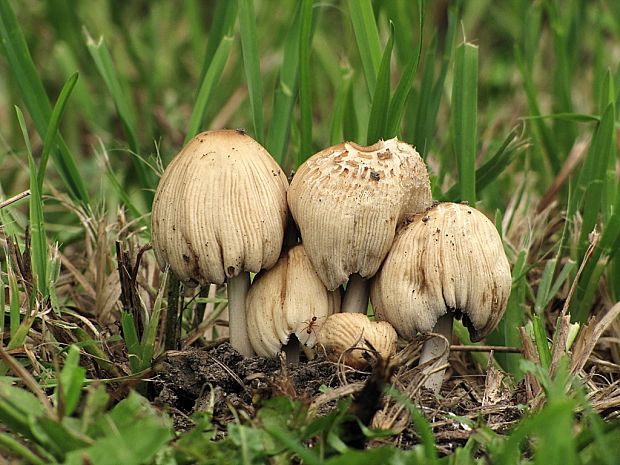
{"type": "Point", "coordinates": [347, 201]}
{"type": "Point", "coordinates": [449, 258]}
{"type": "Point", "coordinates": [219, 209]}
{"type": "Point", "coordinates": [287, 299]}
{"type": "Point", "coordinates": [344, 331]}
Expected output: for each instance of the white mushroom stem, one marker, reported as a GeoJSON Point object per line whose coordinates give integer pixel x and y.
{"type": "Point", "coordinates": [237, 290]}
{"type": "Point", "coordinates": [436, 347]}
{"type": "Point", "coordinates": [291, 350]}
{"type": "Point", "coordinates": [355, 298]}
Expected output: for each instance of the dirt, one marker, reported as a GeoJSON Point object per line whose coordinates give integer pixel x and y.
{"type": "Point", "coordinates": [218, 380]}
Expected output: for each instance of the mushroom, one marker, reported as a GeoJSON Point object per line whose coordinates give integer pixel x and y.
{"type": "Point", "coordinates": [347, 201]}
{"type": "Point", "coordinates": [286, 305]}
{"type": "Point", "coordinates": [353, 337]}
{"type": "Point", "coordinates": [449, 261]}
{"type": "Point", "coordinates": [219, 213]}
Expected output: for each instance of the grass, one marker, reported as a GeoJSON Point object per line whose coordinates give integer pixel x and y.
{"type": "Point", "coordinates": [513, 106]}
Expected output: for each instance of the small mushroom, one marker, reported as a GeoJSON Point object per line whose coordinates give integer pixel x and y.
{"type": "Point", "coordinates": [219, 213]}
{"type": "Point", "coordinates": [355, 338]}
{"type": "Point", "coordinates": [286, 305]}
{"type": "Point", "coordinates": [448, 261]}
{"type": "Point", "coordinates": [347, 201]}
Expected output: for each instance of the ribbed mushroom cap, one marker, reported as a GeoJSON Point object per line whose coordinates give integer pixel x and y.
{"type": "Point", "coordinates": [219, 209]}
{"type": "Point", "coordinates": [343, 331]}
{"type": "Point", "coordinates": [449, 258]}
{"type": "Point", "coordinates": [347, 201]}
{"type": "Point", "coordinates": [287, 299]}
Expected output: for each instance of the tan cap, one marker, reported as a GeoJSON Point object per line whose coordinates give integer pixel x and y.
{"type": "Point", "coordinates": [219, 209]}
{"type": "Point", "coordinates": [344, 331]}
{"type": "Point", "coordinates": [347, 201]}
{"type": "Point", "coordinates": [287, 299]}
{"type": "Point", "coordinates": [449, 258]}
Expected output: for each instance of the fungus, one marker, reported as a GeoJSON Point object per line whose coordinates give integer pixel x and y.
{"type": "Point", "coordinates": [286, 305]}
{"type": "Point", "coordinates": [449, 261]}
{"type": "Point", "coordinates": [354, 339]}
{"type": "Point", "coordinates": [347, 201]}
{"type": "Point", "coordinates": [219, 213]}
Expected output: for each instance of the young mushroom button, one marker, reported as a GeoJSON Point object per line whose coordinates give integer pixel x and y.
{"type": "Point", "coordinates": [219, 213]}
{"type": "Point", "coordinates": [286, 305]}
{"type": "Point", "coordinates": [449, 261]}
{"type": "Point", "coordinates": [347, 201]}
{"type": "Point", "coordinates": [355, 340]}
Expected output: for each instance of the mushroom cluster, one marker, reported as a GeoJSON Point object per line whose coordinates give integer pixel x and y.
{"type": "Point", "coordinates": [363, 213]}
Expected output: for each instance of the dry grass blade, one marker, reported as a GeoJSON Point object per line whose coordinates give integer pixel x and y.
{"type": "Point", "coordinates": [589, 335]}
{"type": "Point", "coordinates": [574, 158]}
{"type": "Point", "coordinates": [28, 380]}
{"type": "Point", "coordinates": [15, 198]}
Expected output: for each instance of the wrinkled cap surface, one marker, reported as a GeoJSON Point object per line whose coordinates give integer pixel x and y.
{"type": "Point", "coordinates": [287, 299]}
{"type": "Point", "coordinates": [449, 258]}
{"type": "Point", "coordinates": [347, 201]}
{"type": "Point", "coordinates": [219, 209]}
{"type": "Point", "coordinates": [355, 331]}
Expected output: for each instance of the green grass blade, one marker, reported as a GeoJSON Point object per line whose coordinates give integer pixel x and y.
{"type": "Point", "coordinates": [224, 17]}
{"type": "Point", "coordinates": [381, 98]}
{"type": "Point", "coordinates": [593, 174]}
{"type": "Point", "coordinates": [397, 105]}
{"type": "Point", "coordinates": [285, 92]}
{"type": "Point", "coordinates": [251, 61]}
{"type": "Point", "coordinates": [336, 132]}
{"type": "Point", "coordinates": [431, 91]}
{"type": "Point", "coordinates": [305, 88]}
{"type": "Point", "coordinates": [72, 378]}
{"type": "Point", "coordinates": [36, 219]}
{"type": "Point", "coordinates": [14, 447]}
{"type": "Point", "coordinates": [149, 338]}
{"type": "Point", "coordinates": [465, 117]}
{"type": "Point", "coordinates": [103, 62]}
{"type": "Point", "coordinates": [132, 342]}
{"type": "Point", "coordinates": [540, 340]}
{"type": "Point", "coordinates": [542, 134]}
{"type": "Point", "coordinates": [512, 147]}
{"type": "Point", "coordinates": [608, 246]}
{"type": "Point", "coordinates": [211, 78]}
{"type": "Point", "coordinates": [52, 129]}
{"type": "Point", "coordinates": [105, 66]}
{"type": "Point", "coordinates": [33, 94]}
{"type": "Point", "coordinates": [367, 37]}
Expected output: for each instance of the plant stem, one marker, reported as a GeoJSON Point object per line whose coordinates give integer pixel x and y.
{"type": "Point", "coordinates": [436, 347]}
{"type": "Point", "coordinates": [237, 291]}
{"type": "Point", "coordinates": [356, 295]}
{"type": "Point", "coordinates": [170, 337]}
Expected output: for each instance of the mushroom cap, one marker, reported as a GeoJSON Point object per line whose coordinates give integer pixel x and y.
{"type": "Point", "coordinates": [449, 258]}
{"type": "Point", "coordinates": [343, 331]}
{"type": "Point", "coordinates": [347, 201]}
{"type": "Point", "coordinates": [287, 299]}
{"type": "Point", "coordinates": [219, 209]}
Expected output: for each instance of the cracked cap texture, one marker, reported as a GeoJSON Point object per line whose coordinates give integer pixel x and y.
{"type": "Point", "coordinates": [348, 200]}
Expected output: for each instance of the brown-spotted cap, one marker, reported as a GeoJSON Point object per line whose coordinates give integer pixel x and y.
{"type": "Point", "coordinates": [347, 201]}
{"type": "Point", "coordinates": [449, 258]}
{"type": "Point", "coordinates": [219, 209]}
{"type": "Point", "coordinates": [287, 299]}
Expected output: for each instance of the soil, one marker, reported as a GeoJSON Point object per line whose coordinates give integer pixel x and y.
{"type": "Point", "coordinates": [220, 381]}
